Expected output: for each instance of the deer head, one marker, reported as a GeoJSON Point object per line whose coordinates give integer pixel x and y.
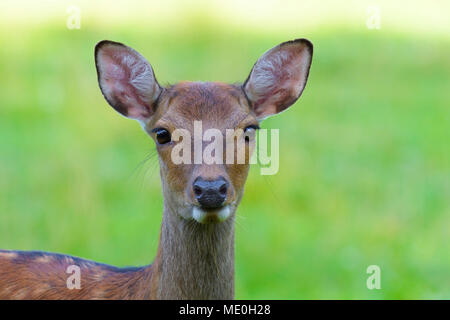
{"type": "Point", "coordinates": [205, 192]}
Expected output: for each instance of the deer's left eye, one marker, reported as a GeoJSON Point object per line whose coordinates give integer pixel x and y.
{"type": "Point", "coordinates": [162, 135]}
{"type": "Point", "coordinates": [249, 131]}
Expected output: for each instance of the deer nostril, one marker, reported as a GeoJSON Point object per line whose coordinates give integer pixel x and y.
{"type": "Point", "coordinates": [197, 190]}
{"type": "Point", "coordinates": [223, 189]}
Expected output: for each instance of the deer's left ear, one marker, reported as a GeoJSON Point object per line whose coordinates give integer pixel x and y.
{"type": "Point", "coordinates": [278, 77]}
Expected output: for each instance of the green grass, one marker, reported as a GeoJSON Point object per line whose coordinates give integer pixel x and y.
{"type": "Point", "coordinates": [364, 171]}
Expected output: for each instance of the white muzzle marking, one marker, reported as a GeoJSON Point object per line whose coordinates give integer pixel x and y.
{"type": "Point", "coordinates": [219, 215]}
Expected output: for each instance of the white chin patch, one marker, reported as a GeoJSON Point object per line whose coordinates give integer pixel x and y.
{"type": "Point", "coordinates": [218, 215]}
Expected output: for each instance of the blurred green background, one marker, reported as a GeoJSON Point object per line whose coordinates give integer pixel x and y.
{"type": "Point", "coordinates": [364, 173]}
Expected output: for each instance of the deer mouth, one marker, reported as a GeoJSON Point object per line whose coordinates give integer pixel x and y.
{"type": "Point", "coordinates": [205, 216]}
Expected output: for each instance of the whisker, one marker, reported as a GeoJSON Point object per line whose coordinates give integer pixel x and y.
{"type": "Point", "coordinates": [238, 223]}
{"type": "Point", "coordinates": [269, 184]}
{"type": "Point", "coordinates": [142, 165]}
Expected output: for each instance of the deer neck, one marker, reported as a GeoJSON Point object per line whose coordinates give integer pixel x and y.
{"type": "Point", "coordinates": [194, 261]}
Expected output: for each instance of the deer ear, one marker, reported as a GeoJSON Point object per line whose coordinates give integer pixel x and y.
{"type": "Point", "coordinates": [278, 77]}
{"type": "Point", "coordinates": [126, 80]}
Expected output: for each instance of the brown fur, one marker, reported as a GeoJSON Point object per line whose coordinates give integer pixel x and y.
{"type": "Point", "coordinates": [42, 275]}
{"type": "Point", "coordinates": [218, 105]}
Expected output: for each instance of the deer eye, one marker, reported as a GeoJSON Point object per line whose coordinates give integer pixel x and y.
{"type": "Point", "coordinates": [249, 132]}
{"type": "Point", "coordinates": [162, 135]}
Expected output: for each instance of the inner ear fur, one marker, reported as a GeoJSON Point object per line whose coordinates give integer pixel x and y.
{"type": "Point", "coordinates": [126, 80]}
{"type": "Point", "coordinates": [279, 77]}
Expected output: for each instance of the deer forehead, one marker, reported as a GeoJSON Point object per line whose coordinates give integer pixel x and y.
{"type": "Point", "coordinates": [217, 105]}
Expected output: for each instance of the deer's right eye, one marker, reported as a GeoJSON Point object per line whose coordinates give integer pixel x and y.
{"type": "Point", "coordinates": [162, 135]}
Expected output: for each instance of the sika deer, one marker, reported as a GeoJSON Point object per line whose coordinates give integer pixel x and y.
{"type": "Point", "coordinates": [195, 258]}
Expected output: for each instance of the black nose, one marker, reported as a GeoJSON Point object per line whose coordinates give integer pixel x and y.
{"type": "Point", "coordinates": [210, 194]}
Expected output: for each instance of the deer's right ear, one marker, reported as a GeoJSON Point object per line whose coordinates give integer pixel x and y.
{"type": "Point", "coordinates": [126, 80]}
